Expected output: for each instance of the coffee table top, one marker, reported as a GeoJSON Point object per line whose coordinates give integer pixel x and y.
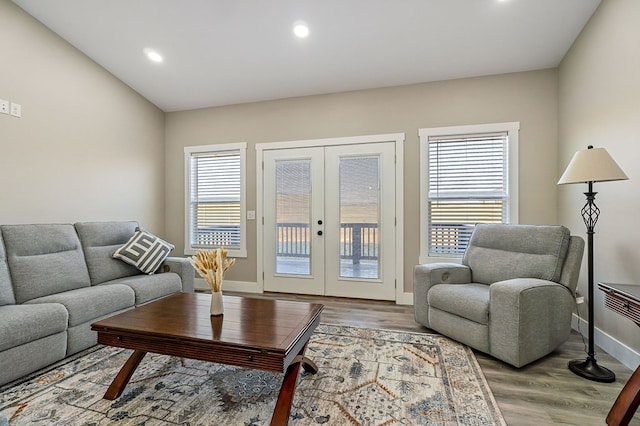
{"type": "Point", "coordinates": [249, 323]}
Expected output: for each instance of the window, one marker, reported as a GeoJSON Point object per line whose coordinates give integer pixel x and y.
{"type": "Point", "coordinates": [468, 176]}
{"type": "Point", "coordinates": [215, 198]}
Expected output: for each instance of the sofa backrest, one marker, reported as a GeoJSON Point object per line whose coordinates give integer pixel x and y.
{"type": "Point", "coordinates": [99, 241]}
{"type": "Point", "coordinates": [6, 291]}
{"type": "Point", "coordinates": [498, 252]}
{"type": "Point", "coordinates": [44, 260]}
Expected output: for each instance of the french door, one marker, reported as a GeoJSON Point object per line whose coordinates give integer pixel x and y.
{"type": "Point", "coordinates": [329, 220]}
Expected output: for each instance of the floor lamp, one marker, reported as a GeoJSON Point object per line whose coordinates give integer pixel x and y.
{"type": "Point", "coordinates": [588, 166]}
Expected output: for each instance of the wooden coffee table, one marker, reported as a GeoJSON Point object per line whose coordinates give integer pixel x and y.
{"type": "Point", "coordinates": [253, 333]}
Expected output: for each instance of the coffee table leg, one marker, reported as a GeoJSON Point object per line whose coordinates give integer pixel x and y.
{"type": "Point", "coordinates": [124, 375]}
{"type": "Point", "coordinates": [285, 397]}
{"type": "Point", "coordinates": [308, 365]}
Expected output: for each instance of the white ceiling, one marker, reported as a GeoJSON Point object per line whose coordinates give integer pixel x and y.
{"type": "Point", "coordinates": [221, 52]}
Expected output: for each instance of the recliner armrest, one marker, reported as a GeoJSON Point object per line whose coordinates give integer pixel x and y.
{"type": "Point", "coordinates": [426, 276]}
{"type": "Point", "coordinates": [441, 273]}
{"type": "Point", "coordinates": [529, 317]}
{"type": "Point", "coordinates": [182, 267]}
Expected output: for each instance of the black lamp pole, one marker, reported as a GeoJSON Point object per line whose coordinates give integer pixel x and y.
{"type": "Point", "coordinates": [589, 368]}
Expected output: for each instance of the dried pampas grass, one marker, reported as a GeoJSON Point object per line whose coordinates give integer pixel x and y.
{"type": "Point", "coordinates": [211, 265]}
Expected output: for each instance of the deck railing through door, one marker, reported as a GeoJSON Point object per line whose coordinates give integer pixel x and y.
{"type": "Point", "coordinates": [358, 241]}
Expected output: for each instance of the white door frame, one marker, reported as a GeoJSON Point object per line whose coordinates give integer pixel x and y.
{"type": "Point", "coordinates": [397, 138]}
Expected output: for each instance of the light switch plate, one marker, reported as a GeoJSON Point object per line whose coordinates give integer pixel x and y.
{"type": "Point", "coordinates": [4, 106]}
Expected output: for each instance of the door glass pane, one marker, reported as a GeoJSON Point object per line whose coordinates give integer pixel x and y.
{"type": "Point", "coordinates": [359, 217]}
{"type": "Point", "coordinates": [293, 217]}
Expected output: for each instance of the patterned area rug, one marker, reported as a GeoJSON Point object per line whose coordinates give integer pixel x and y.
{"type": "Point", "coordinates": [365, 377]}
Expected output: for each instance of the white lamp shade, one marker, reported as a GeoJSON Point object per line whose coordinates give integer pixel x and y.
{"type": "Point", "coordinates": [592, 165]}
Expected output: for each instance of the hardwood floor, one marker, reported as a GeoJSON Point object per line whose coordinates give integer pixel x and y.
{"type": "Point", "coordinates": [542, 393]}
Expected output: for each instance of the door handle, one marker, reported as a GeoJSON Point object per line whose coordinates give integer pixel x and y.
{"type": "Point", "coordinates": [319, 232]}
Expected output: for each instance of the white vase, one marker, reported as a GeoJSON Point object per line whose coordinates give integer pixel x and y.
{"type": "Point", "coordinates": [217, 307]}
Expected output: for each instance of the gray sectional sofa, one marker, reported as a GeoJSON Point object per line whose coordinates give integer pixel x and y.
{"type": "Point", "coordinates": [57, 279]}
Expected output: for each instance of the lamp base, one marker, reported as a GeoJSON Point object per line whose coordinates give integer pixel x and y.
{"type": "Point", "coordinates": [589, 369]}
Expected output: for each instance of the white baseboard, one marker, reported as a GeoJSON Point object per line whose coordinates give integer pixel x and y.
{"type": "Point", "coordinates": [253, 287]}
{"type": "Point", "coordinates": [240, 286]}
{"type": "Point", "coordinates": [405, 299]}
{"type": "Point", "coordinates": [611, 345]}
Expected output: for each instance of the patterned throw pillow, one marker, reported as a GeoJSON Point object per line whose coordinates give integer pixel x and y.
{"type": "Point", "coordinates": [145, 251]}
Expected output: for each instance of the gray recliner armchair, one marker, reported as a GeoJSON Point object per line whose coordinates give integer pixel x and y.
{"type": "Point", "coordinates": [513, 295]}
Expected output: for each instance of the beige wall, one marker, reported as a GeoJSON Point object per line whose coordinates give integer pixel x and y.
{"type": "Point", "coordinates": [87, 146]}
{"type": "Point", "coordinates": [530, 98]}
{"type": "Point", "coordinates": [599, 104]}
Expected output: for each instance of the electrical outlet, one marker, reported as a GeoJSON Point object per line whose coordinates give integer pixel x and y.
{"type": "Point", "coordinates": [4, 106]}
{"type": "Point", "coordinates": [16, 109]}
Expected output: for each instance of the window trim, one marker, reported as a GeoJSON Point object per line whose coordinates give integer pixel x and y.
{"type": "Point", "coordinates": [512, 129]}
{"type": "Point", "coordinates": [240, 147]}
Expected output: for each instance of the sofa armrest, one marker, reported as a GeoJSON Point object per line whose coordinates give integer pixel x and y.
{"type": "Point", "coordinates": [426, 276]}
{"type": "Point", "coordinates": [528, 318]}
{"type": "Point", "coordinates": [182, 267]}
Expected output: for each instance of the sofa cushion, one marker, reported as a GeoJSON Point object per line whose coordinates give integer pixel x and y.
{"type": "Point", "coordinates": [470, 301]}
{"type": "Point", "coordinates": [6, 291]}
{"type": "Point", "coordinates": [44, 259]}
{"type": "Point", "coordinates": [25, 323]}
{"type": "Point", "coordinates": [502, 252]}
{"type": "Point", "coordinates": [151, 287]}
{"type": "Point", "coordinates": [99, 242]}
{"type": "Point", "coordinates": [87, 304]}
{"type": "Point", "coordinates": [145, 251]}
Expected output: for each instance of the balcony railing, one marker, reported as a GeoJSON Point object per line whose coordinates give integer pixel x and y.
{"type": "Point", "coordinates": [358, 241]}
{"type": "Point", "coordinates": [218, 236]}
{"type": "Point", "coordinates": [449, 238]}
{"type": "Point", "coordinates": [292, 239]}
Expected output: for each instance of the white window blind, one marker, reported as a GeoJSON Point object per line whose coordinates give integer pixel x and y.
{"type": "Point", "coordinates": [215, 200]}
{"type": "Point", "coordinates": [467, 184]}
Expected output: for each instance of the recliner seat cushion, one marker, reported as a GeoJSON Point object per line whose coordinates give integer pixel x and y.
{"type": "Point", "coordinates": [503, 252]}
{"type": "Point", "coordinates": [99, 241]}
{"type": "Point", "coordinates": [470, 301]}
{"type": "Point", "coordinates": [44, 260]}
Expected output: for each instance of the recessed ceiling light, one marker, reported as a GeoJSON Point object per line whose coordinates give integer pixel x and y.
{"type": "Point", "coordinates": [300, 29]}
{"type": "Point", "coordinates": [153, 55]}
